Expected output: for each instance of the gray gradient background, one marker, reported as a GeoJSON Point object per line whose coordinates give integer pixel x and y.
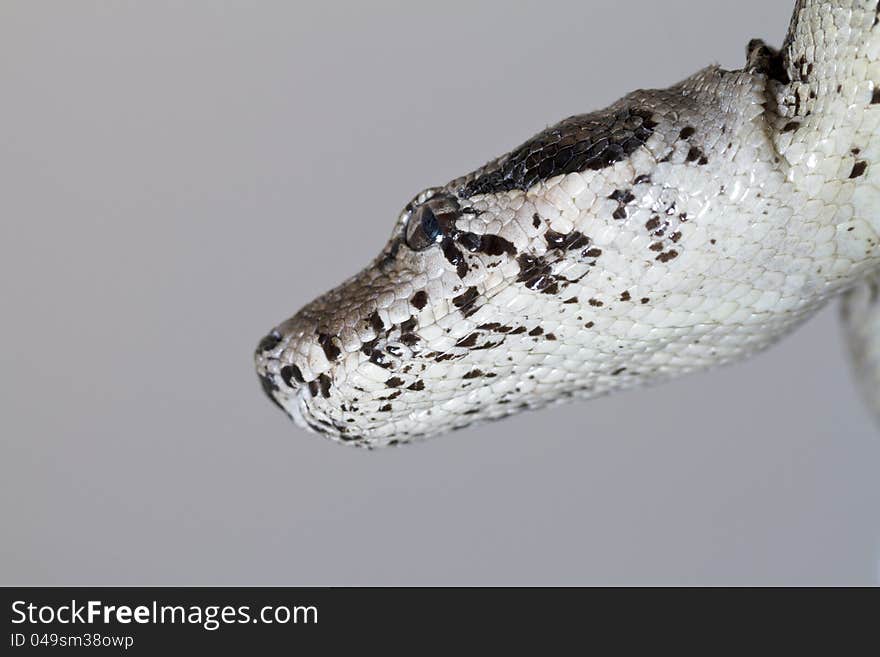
{"type": "Point", "coordinates": [176, 177]}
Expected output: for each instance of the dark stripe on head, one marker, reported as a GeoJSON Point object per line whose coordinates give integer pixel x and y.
{"type": "Point", "coordinates": [589, 141]}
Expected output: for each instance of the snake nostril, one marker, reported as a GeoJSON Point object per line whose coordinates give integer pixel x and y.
{"type": "Point", "coordinates": [268, 342]}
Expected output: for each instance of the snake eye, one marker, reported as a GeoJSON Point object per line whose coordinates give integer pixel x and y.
{"type": "Point", "coordinates": [422, 229]}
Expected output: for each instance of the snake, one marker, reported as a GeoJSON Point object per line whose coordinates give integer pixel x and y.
{"type": "Point", "coordinates": [674, 231]}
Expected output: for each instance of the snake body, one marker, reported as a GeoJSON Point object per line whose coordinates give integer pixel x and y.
{"type": "Point", "coordinates": [676, 230]}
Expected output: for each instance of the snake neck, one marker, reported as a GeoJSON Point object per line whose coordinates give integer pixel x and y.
{"type": "Point", "coordinates": [823, 108]}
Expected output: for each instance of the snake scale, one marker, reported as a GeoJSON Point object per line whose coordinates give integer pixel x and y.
{"type": "Point", "coordinates": [676, 230]}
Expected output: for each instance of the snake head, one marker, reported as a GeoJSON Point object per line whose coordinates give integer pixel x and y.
{"type": "Point", "coordinates": [479, 306]}
{"type": "Point", "coordinates": [559, 270]}
{"type": "Point", "coordinates": [447, 326]}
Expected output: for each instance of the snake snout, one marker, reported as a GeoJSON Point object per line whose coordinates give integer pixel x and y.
{"type": "Point", "coordinates": [279, 380]}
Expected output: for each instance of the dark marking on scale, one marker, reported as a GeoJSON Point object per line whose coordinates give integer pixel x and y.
{"type": "Point", "coordinates": [376, 322]}
{"type": "Point", "coordinates": [623, 198]}
{"type": "Point", "coordinates": [290, 374]}
{"type": "Point", "coordinates": [858, 169]}
{"type": "Point", "coordinates": [696, 155]}
{"type": "Point", "coordinates": [468, 341]}
{"type": "Point", "coordinates": [566, 241]}
{"type": "Point", "coordinates": [466, 301]}
{"type": "Point", "coordinates": [324, 384]}
{"type": "Point", "coordinates": [331, 351]}
{"type": "Point", "coordinates": [419, 300]}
